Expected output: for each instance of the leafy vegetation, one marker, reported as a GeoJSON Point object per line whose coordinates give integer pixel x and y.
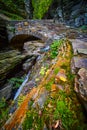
{"type": "Point", "coordinates": [42, 71]}
{"type": "Point", "coordinates": [16, 82]}
{"type": "Point", "coordinates": [16, 9]}
{"type": "Point", "coordinates": [3, 111]}
{"type": "Point", "coordinates": [40, 8]}
{"type": "Point", "coordinates": [54, 48]}
{"type": "Point", "coordinates": [2, 103]}
{"type": "Point", "coordinates": [11, 15]}
{"type": "Point", "coordinates": [13, 9]}
{"type": "Point", "coordinates": [83, 29]}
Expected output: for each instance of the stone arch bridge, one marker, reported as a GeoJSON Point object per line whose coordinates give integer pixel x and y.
{"type": "Point", "coordinates": [46, 30]}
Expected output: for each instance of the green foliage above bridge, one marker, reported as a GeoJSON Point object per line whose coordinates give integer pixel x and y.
{"type": "Point", "coordinates": [16, 9]}
{"type": "Point", "coordinates": [12, 9]}
{"type": "Point", "coordinates": [40, 8]}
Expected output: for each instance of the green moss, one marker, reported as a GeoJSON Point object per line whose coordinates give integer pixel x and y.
{"type": "Point", "coordinates": [40, 8]}
{"type": "Point", "coordinates": [63, 112]}
{"type": "Point", "coordinates": [56, 70]}
{"type": "Point", "coordinates": [33, 120]}
{"type": "Point", "coordinates": [49, 84]}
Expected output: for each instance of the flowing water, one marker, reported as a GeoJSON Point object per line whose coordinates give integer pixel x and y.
{"type": "Point", "coordinates": [21, 87]}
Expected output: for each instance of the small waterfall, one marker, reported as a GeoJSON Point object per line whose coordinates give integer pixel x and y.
{"type": "Point", "coordinates": [21, 87]}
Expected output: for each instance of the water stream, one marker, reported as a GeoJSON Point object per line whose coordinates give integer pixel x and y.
{"type": "Point", "coordinates": [22, 85]}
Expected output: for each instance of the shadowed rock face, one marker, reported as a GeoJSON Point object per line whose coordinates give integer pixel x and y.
{"type": "Point", "coordinates": [3, 33]}
{"type": "Point", "coordinates": [70, 11]}
{"type": "Point", "coordinates": [8, 62]}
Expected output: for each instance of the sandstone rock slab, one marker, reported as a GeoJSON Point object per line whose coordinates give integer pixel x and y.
{"type": "Point", "coordinates": [77, 63]}
{"type": "Point", "coordinates": [77, 45]}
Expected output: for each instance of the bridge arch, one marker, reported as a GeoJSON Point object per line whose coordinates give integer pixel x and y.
{"type": "Point", "coordinates": [18, 41]}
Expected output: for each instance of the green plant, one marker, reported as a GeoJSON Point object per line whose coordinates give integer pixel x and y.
{"type": "Point", "coordinates": [13, 9]}
{"type": "Point", "coordinates": [12, 15]}
{"type": "Point", "coordinates": [16, 82]}
{"type": "Point", "coordinates": [40, 8]}
{"type": "Point", "coordinates": [3, 111]}
{"type": "Point", "coordinates": [54, 48]}
{"type": "Point", "coordinates": [83, 27]}
{"type": "Point", "coordinates": [42, 71]}
{"type": "Point", "coordinates": [2, 103]}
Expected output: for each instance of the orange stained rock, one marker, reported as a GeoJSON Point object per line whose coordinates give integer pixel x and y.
{"type": "Point", "coordinates": [18, 116]}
